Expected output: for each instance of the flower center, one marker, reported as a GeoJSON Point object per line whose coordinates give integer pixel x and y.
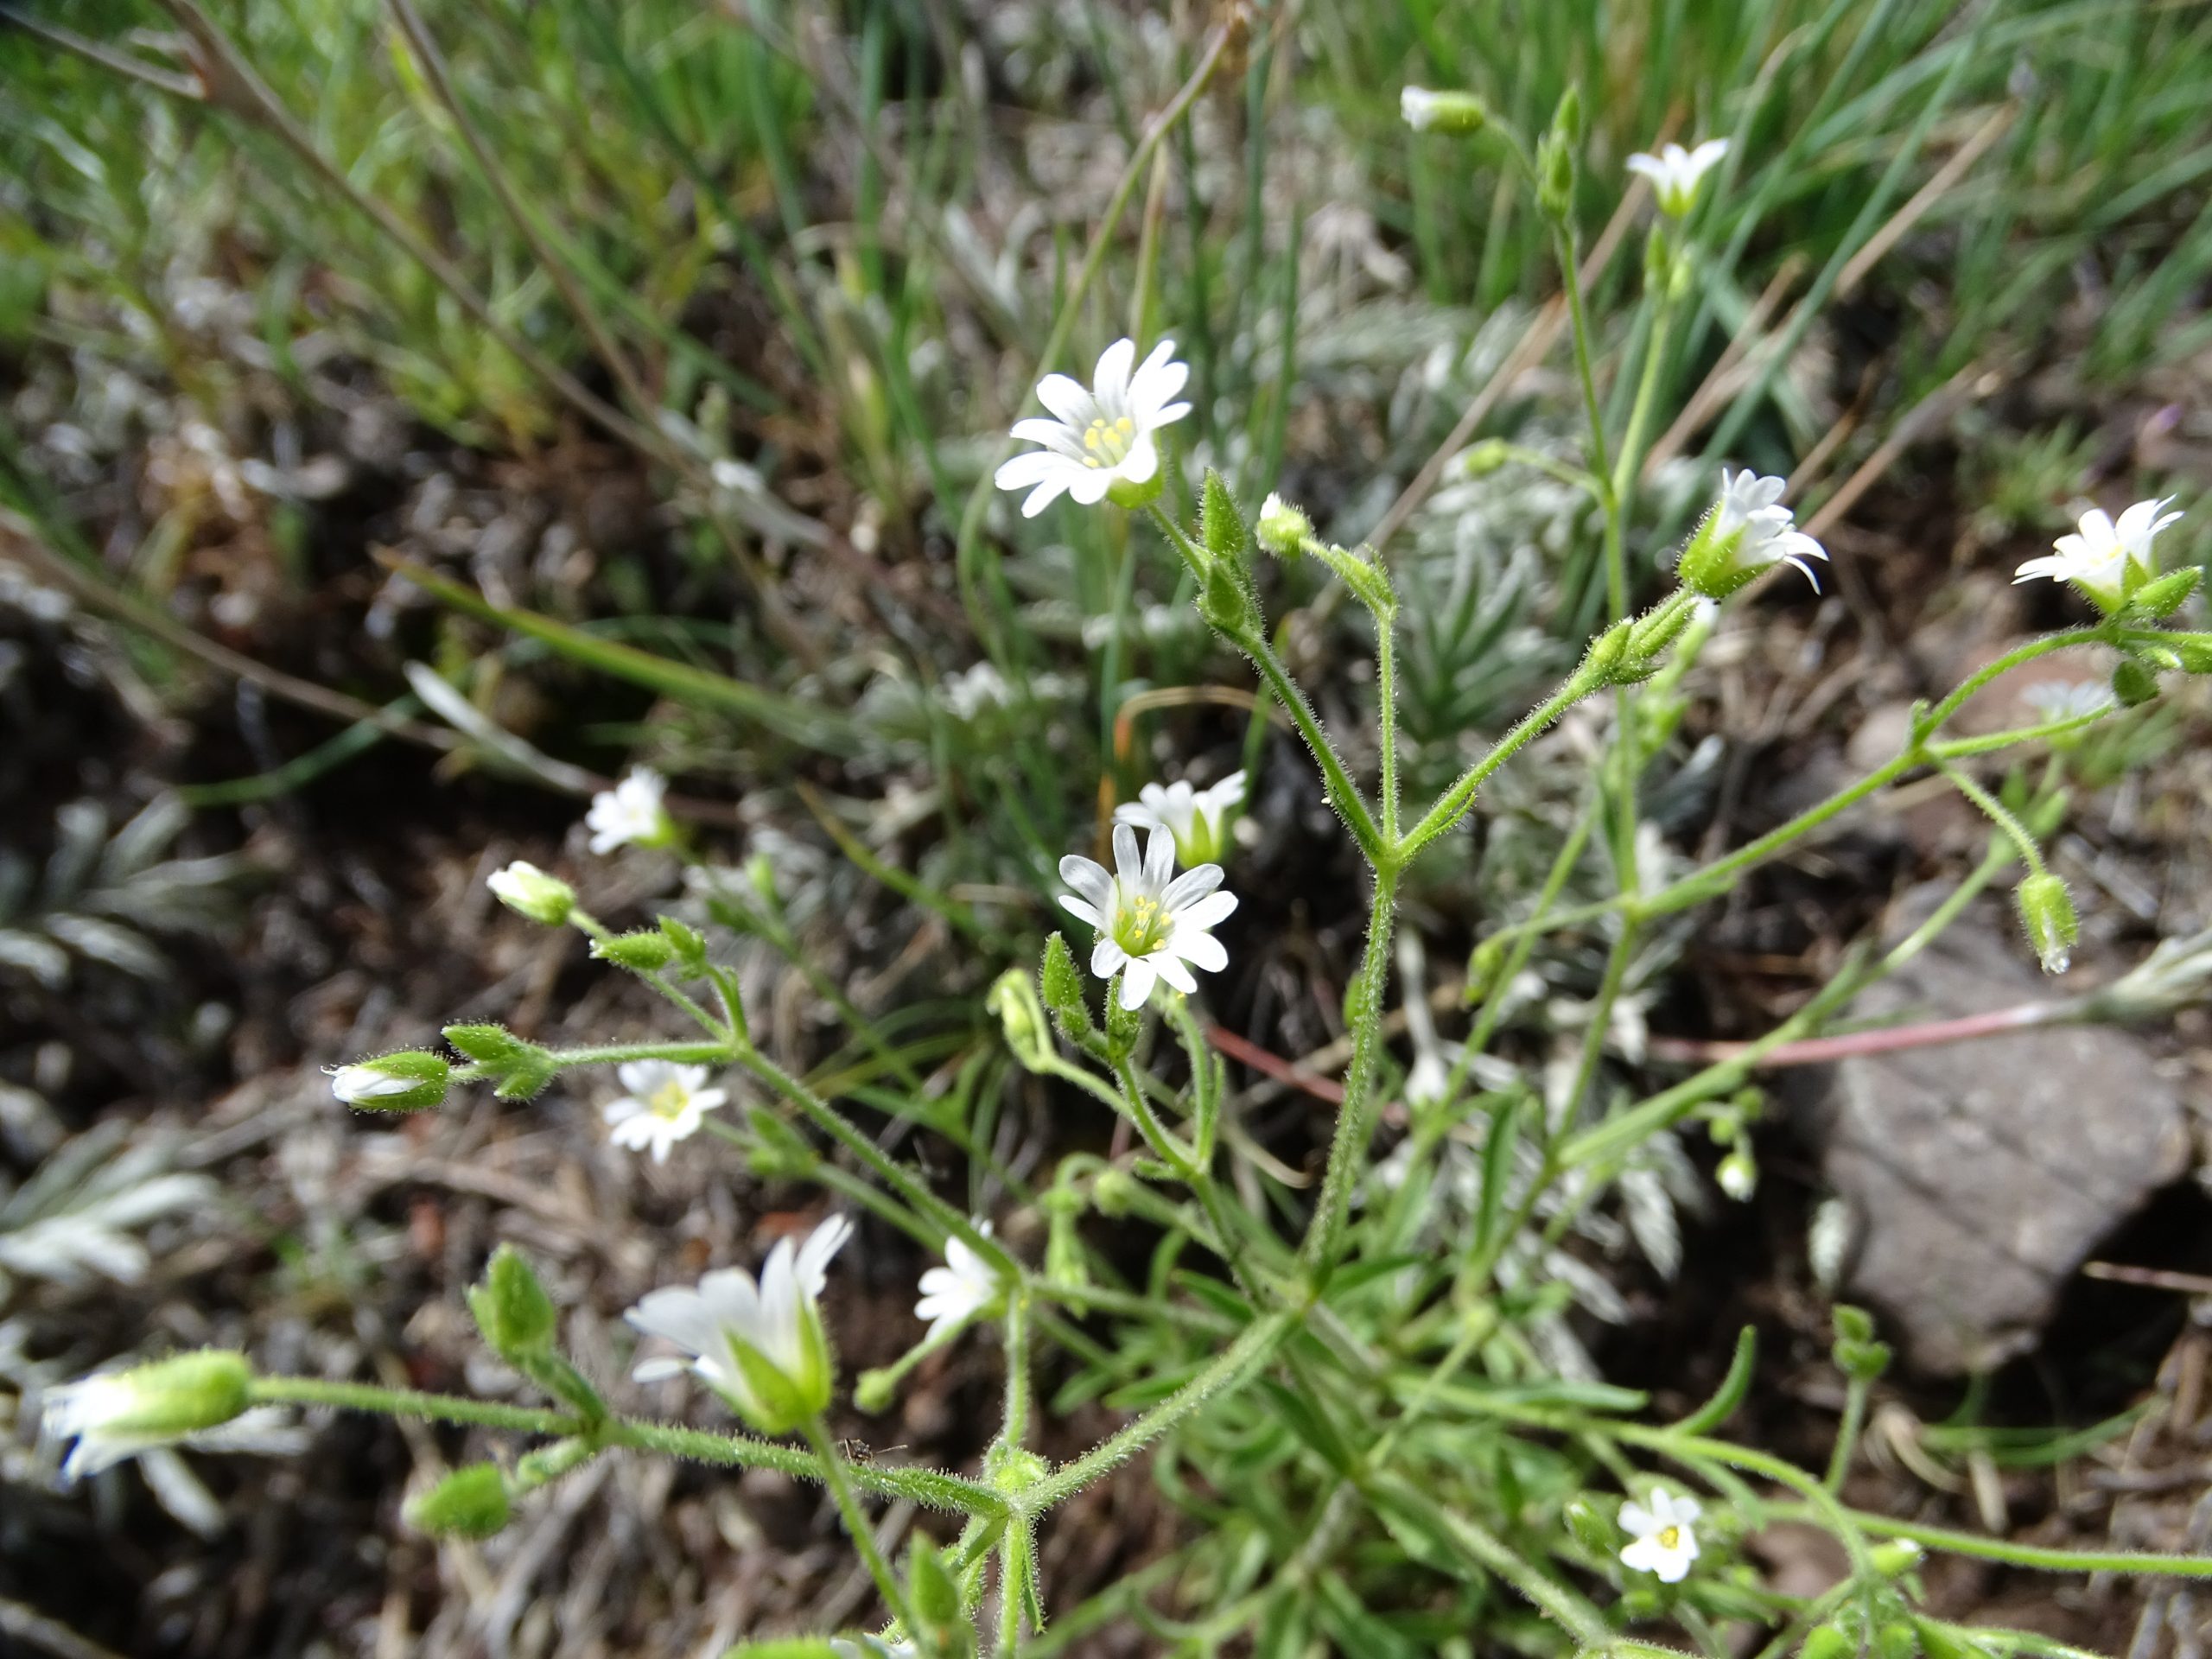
{"type": "Point", "coordinates": [669, 1100]}
{"type": "Point", "coordinates": [1141, 925]}
{"type": "Point", "coordinates": [1107, 442]}
{"type": "Point", "coordinates": [1670, 1538]}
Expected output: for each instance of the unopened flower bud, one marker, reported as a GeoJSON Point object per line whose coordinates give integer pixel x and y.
{"type": "Point", "coordinates": [1013, 997]}
{"type": "Point", "coordinates": [1895, 1557]}
{"type": "Point", "coordinates": [528, 891]}
{"type": "Point", "coordinates": [1738, 1174]}
{"type": "Point", "coordinates": [2047, 912]}
{"type": "Point", "coordinates": [2133, 683]}
{"type": "Point", "coordinates": [117, 1414]}
{"type": "Point", "coordinates": [1062, 984]}
{"type": "Point", "coordinates": [1112, 1190]}
{"type": "Point", "coordinates": [1284, 529]}
{"type": "Point", "coordinates": [1486, 457]}
{"type": "Point", "coordinates": [874, 1390]}
{"type": "Point", "coordinates": [512, 1308]}
{"type": "Point", "coordinates": [1428, 111]}
{"type": "Point", "coordinates": [1592, 1528]}
{"type": "Point", "coordinates": [406, 1082]}
{"type": "Point", "coordinates": [470, 1502]}
{"type": "Point", "coordinates": [640, 952]}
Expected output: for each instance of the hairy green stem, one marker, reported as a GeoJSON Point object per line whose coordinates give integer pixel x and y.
{"type": "Point", "coordinates": [1355, 1117]}
{"type": "Point", "coordinates": [1231, 1369]}
{"type": "Point", "coordinates": [835, 1476]}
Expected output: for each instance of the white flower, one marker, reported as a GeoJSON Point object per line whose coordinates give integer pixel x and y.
{"type": "Point", "coordinates": [357, 1086]}
{"type": "Point", "coordinates": [404, 1082]}
{"type": "Point", "coordinates": [1428, 111]}
{"type": "Point", "coordinates": [1739, 1174]}
{"type": "Point", "coordinates": [1745, 532]}
{"type": "Point", "coordinates": [1199, 819]}
{"type": "Point", "coordinates": [962, 1287]}
{"type": "Point", "coordinates": [759, 1346]}
{"type": "Point", "coordinates": [117, 1414]}
{"type": "Point", "coordinates": [1663, 1542]}
{"type": "Point", "coordinates": [2105, 560]}
{"type": "Point", "coordinates": [2057, 700]}
{"type": "Point", "coordinates": [528, 891]}
{"type": "Point", "coordinates": [1150, 921]}
{"type": "Point", "coordinates": [1101, 435]}
{"type": "Point", "coordinates": [665, 1104]}
{"type": "Point", "coordinates": [630, 814]}
{"type": "Point", "coordinates": [1675, 172]}
{"type": "Point", "coordinates": [969, 693]}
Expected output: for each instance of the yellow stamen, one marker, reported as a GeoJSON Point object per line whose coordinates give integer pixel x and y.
{"type": "Point", "coordinates": [1670, 1538]}
{"type": "Point", "coordinates": [669, 1100]}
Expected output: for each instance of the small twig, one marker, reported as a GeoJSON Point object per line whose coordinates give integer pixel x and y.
{"type": "Point", "coordinates": [2120, 1273]}
{"type": "Point", "coordinates": [117, 63]}
{"type": "Point", "coordinates": [1815, 1050]}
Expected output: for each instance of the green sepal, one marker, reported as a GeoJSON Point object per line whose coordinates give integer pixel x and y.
{"type": "Point", "coordinates": [931, 1586]}
{"type": "Point", "coordinates": [2133, 683]}
{"type": "Point", "coordinates": [1225, 601]}
{"type": "Point", "coordinates": [689, 944]}
{"type": "Point", "coordinates": [1592, 1527]}
{"type": "Point", "coordinates": [488, 1045]}
{"type": "Point", "coordinates": [1061, 984]}
{"type": "Point", "coordinates": [646, 951]}
{"type": "Point", "coordinates": [1221, 527]}
{"type": "Point", "coordinates": [2165, 595]}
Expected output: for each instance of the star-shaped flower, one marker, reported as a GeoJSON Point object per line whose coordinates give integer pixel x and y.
{"type": "Point", "coordinates": [630, 814]}
{"type": "Point", "coordinates": [1199, 819]}
{"type": "Point", "coordinates": [1675, 172]}
{"type": "Point", "coordinates": [1102, 435]}
{"type": "Point", "coordinates": [1748, 530]}
{"type": "Point", "coordinates": [2105, 560]}
{"type": "Point", "coordinates": [758, 1344]}
{"type": "Point", "coordinates": [964, 1286]}
{"type": "Point", "coordinates": [1661, 1540]}
{"type": "Point", "coordinates": [1150, 920]}
{"type": "Point", "coordinates": [666, 1104]}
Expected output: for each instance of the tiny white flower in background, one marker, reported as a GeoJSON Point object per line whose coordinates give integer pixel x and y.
{"type": "Point", "coordinates": [1663, 1542]}
{"type": "Point", "coordinates": [630, 814]}
{"type": "Point", "coordinates": [1150, 920]}
{"type": "Point", "coordinates": [1102, 434]}
{"type": "Point", "coordinates": [2106, 560]}
{"type": "Point", "coordinates": [758, 1344]}
{"type": "Point", "coordinates": [666, 1104]}
{"type": "Point", "coordinates": [1199, 819]}
{"type": "Point", "coordinates": [1738, 1175]}
{"type": "Point", "coordinates": [1418, 106]}
{"type": "Point", "coordinates": [2057, 700]}
{"type": "Point", "coordinates": [955, 1293]}
{"type": "Point", "coordinates": [1675, 172]}
{"type": "Point", "coordinates": [357, 1084]}
{"type": "Point", "coordinates": [969, 693]}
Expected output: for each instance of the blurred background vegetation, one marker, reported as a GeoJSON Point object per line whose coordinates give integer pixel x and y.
{"type": "Point", "coordinates": [412, 413]}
